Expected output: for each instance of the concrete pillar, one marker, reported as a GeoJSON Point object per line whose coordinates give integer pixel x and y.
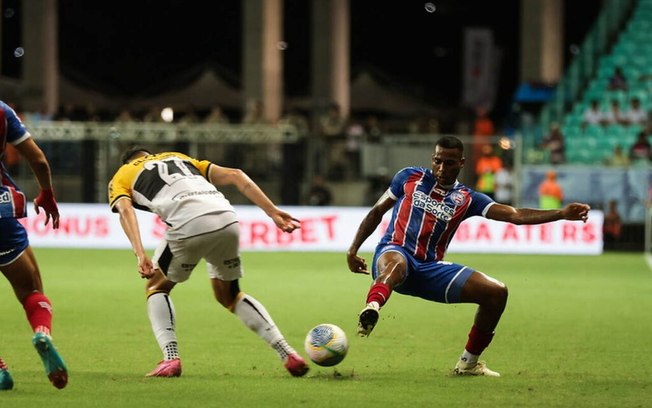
{"type": "Point", "coordinates": [542, 34]}
{"type": "Point", "coordinates": [262, 65]}
{"type": "Point", "coordinates": [40, 63]}
{"type": "Point", "coordinates": [330, 53]}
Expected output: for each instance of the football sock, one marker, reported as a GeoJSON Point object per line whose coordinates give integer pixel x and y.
{"type": "Point", "coordinates": [39, 312]}
{"type": "Point", "coordinates": [162, 316]}
{"type": "Point", "coordinates": [171, 351]}
{"type": "Point", "coordinates": [254, 315]}
{"type": "Point", "coordinates": [379, 293]}
{"type": "Point", "coordinates": [477, 342]}
{"type": "Point", "coordinates": [283, 349]}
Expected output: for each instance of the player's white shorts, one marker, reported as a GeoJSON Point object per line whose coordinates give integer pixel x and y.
{"type": "Point", "coordinates": [220, 248]}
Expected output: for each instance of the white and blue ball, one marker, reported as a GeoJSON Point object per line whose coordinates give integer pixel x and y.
{"type": "Point", "coordinates": [326, 344]}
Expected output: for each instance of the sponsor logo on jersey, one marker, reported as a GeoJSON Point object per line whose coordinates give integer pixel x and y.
{"type": "Point", "coordinates": [437, 208]}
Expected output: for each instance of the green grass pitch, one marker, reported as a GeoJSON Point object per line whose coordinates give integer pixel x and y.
{"type": "Point", "coordinates": [576, 333]}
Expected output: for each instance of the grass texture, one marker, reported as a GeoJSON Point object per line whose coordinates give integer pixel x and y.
{"type": "Point", "coordinates": [576, 333]}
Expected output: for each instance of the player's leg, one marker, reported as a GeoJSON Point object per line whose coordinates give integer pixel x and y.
{"type": "Point", "coordinates": [24, 276]}
{"type": "Point", "coordinates": [174, 262]}
{"type": "Point", "coordinates": [390, 269]}
{"type": "Point", "coordinates": [162, 318]}
{"type": "Point", "coordinates": [491, 297]}
{"type": "Point", "coordinates": [255, 316]}
{"type": "Point", "coordinates": [225, 269]}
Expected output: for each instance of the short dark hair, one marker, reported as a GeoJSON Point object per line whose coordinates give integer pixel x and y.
{"type": "Point", "coordinates": [450, 142]}
{"type": "Point", "coordinates": [130, 153]}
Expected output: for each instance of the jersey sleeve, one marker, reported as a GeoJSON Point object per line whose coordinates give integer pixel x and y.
{"type": "Point", "coordinates": [16, 131]}
{"type": "Point", "coordinates": [396, 187]}
{"type": "Point", "coordinates": [480, 204]}
{"type": "Point", "coordinates": [118, 188]}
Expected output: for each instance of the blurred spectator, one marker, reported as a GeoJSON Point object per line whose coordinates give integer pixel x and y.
{"type": "Point", "coordinates": [330, 143]}
{"type": "Point", "coordinates": [67, 112]}
{"type": "Point", "coordinates": [355, 133]}
{"type": "Point", "coordinates": [216, 115]}
{"type": "Point", "coordinates": [612, 226]}
{"type": "Point", "coordinates": [615, 116]}
{"type": "Point", "coordinates": [554, 145]}
{"type": "Point", "coordinates": [38, 116]}
{"type": "Point", "coordinates": [378, 184]}
{"type": "Point", "coordinates": [153, 115]}
{"type": "Point", "coordinates": [618, 158]}
{"type": "Point", "coordinates": [618, 80]}
{"type": "Point", "coordinates": [189, 115]}
{"type": "Point", "coordinates": [636, 115]}
{"type": "Point", "coordinates": [254, 113]}
{"type": "Point", "coordinates": [641, 151]}
{"type": "Point", "coordinates": [551, 195]}
{"type": "Point", "coordinates": [295, 118]}
{"type": "Point", "coordinates": [486, 168]}
{"type": "Point", "coordinates": [504, 184]}
{"type": "Point", "coordinates": [90, 113]}
{"type": "Point", "coordinates": [125, 116]}
{"type": "Point", "coordinates": [593, 115]}
{"type": "Point", "coordinates": [319, 193]}
{"type": "Point", "coordinates": [373, 129]}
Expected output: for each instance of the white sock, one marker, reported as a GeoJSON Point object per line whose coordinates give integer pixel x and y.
{"type": "Point", "coordinates": [162, 316]}
{"type": "Point", "coordinates": [254, 315]}
{"type": "Point", "coordinates": [469, 358]}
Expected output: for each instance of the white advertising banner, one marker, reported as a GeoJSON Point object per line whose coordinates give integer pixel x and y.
{"type": "Point", "coordinates": [322, 229]}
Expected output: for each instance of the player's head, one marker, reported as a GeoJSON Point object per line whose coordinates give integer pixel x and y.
{"type": "Point", "coordinates": [447, 160]}
{"type": "Point", "coordinates": [134, 153]}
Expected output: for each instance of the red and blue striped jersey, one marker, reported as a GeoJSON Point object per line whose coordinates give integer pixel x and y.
{"type": "Point", "coordinates": [426, 216]}
{"type": "Point", "coordinates": [12, 130]}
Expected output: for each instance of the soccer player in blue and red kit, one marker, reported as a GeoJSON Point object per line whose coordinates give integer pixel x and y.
{"type": "Point", "coordinates": [428, 206]}
{"type": "Point", "coordinates": [17, 261]}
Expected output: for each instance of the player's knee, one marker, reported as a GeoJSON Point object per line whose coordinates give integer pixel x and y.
{"type": "Point", "coordinates": [500, 294]}
{"type": "Point", "coordinates": [226, 293]}
{"type": "Point", "coordinates": [392, 272]}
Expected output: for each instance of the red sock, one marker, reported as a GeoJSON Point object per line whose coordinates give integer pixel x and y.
{"type": "Point", "coordinates": [39, 312]}
{"type": "Point", "coordinates": [379, 292]}
{"type": "Point", "coordinates": [478, 340]}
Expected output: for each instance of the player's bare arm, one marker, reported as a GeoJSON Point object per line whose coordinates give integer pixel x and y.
{"type": "Point", "coordinates": [366, 228]}
{"type": "Point", "coordinates": [41, 169]}
{"type": "Point", "coordinates": [222, 176]}
{"type": "Point", "coordinates": [129, 223]}
{"type": "Point", "coordinates": [519, 216]}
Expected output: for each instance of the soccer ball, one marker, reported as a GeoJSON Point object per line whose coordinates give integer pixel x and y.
{"type": "Point", "coordinates": [326, 344]}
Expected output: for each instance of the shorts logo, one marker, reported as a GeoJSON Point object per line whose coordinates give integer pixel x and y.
{"type": "Point", "coordinates": [7, 252]}
{"type": "Point", "coordinates": [232, 263]}
{"type": "Point", "coordinates": [188, 267]}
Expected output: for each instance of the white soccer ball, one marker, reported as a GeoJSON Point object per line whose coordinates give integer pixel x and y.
{"type": "Point", "coordinates": [326, 344]}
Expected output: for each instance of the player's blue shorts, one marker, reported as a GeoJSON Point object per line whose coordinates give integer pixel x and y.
{"type": "Point", "coordinates": [439, 281]}
{"type": "Point", "coordinates": [13, 240]}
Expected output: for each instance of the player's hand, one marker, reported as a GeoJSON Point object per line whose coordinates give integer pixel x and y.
{"type": "Point", "coordinates": [576, 212]}
{"type": "Point", "coordinates": [285, 221]}
{"type": "Point", "coordinates": [357, 264]}
{"type": "Point", "coordinates": [145, 267]}
{"type": "Point", "coordinates": [46, 201]}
